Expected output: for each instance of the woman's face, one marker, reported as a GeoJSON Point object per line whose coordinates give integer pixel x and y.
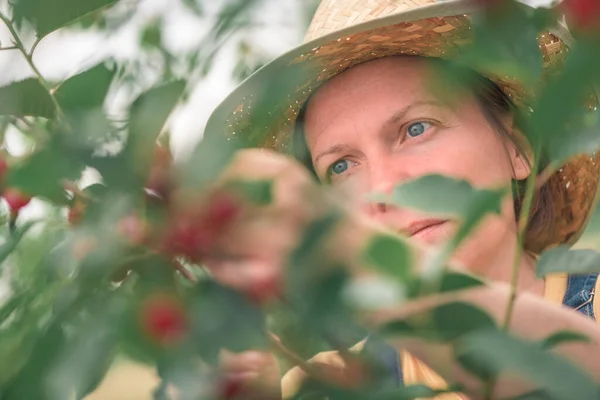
{"type": "Point", "coordinates": [377, 125]}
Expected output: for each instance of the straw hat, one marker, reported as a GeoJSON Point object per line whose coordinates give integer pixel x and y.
{"type": "Point", "coordinates": [344, 33]}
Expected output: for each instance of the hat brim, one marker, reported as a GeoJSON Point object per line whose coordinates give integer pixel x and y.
{"type": "Point", "coordinates": [264, 107]}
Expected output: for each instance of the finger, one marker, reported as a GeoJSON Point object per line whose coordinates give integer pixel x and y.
{"type": "Point", "coordinates": [247, 361]}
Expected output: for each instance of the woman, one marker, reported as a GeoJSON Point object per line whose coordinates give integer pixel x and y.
{"type": "Point", "coordinates": [366, 121]}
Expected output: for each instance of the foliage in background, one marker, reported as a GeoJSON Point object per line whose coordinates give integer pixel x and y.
{"type": "Point", "coordinates": [116, 267]}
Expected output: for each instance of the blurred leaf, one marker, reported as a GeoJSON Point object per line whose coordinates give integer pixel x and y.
{"type": "Point", "coordinates": [26, 98]}
{"type": "Point", "coordinates": [496, 351]}
{"type": "Point", "coordinates": [11, 240]}
{"type": "Point", "coordinates": [47, 16]}
{"type": "Point", "coordinates": [257, 192]}
{"type": "Point", "coordinates": [152, 35]}
{"type": "Point", "coordinates": [229, 17]}
{"type": "Point", "coordinates": [86, 90]}
{"type": "Point", "coordinates": [391, 256]}
{"type": "Point", "coordinates": [148, 115]}
{"type": "Point", "coordinates": [583, 138]}
{"type": "Point", "coordinates": [450, 281]}
{"type": "Point", "coordinates": [31, 382]}
{"type": "Point", "coordinates": [223, 318]}
{"type": "Point", "coordinates": [447, 322]}
{"type": "Point", "coordinates": [42, 174]}
{"type": "Point", "coordinates": [437, 194]}
{"type": "Point", "coordinates": [83, 363]}
{"type": "Point", "coordinates": [561, 259]}
{"type": "Point", "coordinates": [196, 6]}
{"type": "Point", "coordinates": [558, 123]}
{"type": "Point", "coordinates": [208, 160]}
{"type": "Point", "coordinates": [444, 195]}
{"type": "Point", "coordinates": [455, 320]}
{"type": "Point", "coordinates": [505, 43]}
{"type": "Point", "coordinates": [564, 337]}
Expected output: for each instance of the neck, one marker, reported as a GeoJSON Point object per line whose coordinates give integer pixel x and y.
{"type": "Point", "coordinates": [501, 269]}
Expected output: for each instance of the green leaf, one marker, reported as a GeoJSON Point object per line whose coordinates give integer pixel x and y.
{"type": "Point", "coordinates": [43, 173]}
{"type": "Point", "coordinates": [390, 255]}
{"type": "Point", "coordinates": [450, 281]}
{"type": "Point", "coordinates": [505, 43]}
{"type": "Point", "coordinates": [447, 322]}
{"type": "Point", "coordinates": [152, 35]}
{"type": "Point", "coordinates": [564, 337]}
{"type": "Point", "coordinates": [26, 98]}
{"type": "Point", "coordinates": [148, 116]}
{"type": "Point", "coordinates": [223, 318]}
{"type": "Point", "coordinates": [48, 16]}
{"type": "Point", "coordinates": [455, 320]}
{"type": "Point", "coordinates": [83, 363]}
{"type": "Point", "coordinates": [499, 352]}
{"type": "Point", "coordinates": [86, 90]}
{"type": "Point", "coordinates": [12, 240]}
{"type": "Point", "coordinates": [559, 123]}
{"type": "Point", "coordinates": [258, 192]}
{"type": "Point", "coordinates": [442, 195]}
{"type": "Point", "coordinates": [31, 381]}
{"type": "Point", "coordinates": [561, 259]}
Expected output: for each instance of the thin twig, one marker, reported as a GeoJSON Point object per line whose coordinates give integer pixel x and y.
{"type": "Point", "coordinates": [544, 176]}
{"type": "Point", "coordinates": [9, 48]}
{"type": "Point", "coordinates": [29, 59]}
{"type": "Point", "coordinates": [33, 47]}
{"type": "Point", "coordinates": [290, 356]}
{"type": "Point", "coordinates": [187, 274]}
{"type": "Point", "coordinates": [522, 227]}
{"type": "Point", "coordinates": [530, 189]}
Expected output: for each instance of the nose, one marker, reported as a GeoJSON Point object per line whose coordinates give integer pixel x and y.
{"type": "Point", "coordinates": [384, 175]}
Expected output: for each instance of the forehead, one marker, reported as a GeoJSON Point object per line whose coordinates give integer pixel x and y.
{"type": "Point", "coordinates": [373, 91]}
{"type": "Point", "coordinates": [403, 72]}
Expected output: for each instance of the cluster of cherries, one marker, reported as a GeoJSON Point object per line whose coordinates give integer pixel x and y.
{"type": "Point", "coordinates": [191, 225]}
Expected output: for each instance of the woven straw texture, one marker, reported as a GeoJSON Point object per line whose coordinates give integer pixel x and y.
{"type": "Point", "coordinates": [335, 50]}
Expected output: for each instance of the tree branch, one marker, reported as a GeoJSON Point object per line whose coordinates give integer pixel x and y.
{"type": "Point", "coordinates": [28, 57]}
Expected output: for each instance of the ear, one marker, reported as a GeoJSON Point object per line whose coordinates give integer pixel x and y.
{"type": "Point", "coordinates": [520, 160]}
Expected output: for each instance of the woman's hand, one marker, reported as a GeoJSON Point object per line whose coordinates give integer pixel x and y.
{"type": "Point", "coordinates": [250, 254]}
{"type": "Point", "coordinates": [250, 375]}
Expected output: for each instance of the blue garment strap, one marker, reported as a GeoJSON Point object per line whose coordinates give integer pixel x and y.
{"type": "Point", "coordinates": [580, 293]}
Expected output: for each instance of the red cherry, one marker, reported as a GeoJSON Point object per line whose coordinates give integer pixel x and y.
{"type": "Point", "coordinates": [582, 14]}
{"type": "Point", "coordinates": [15, 199]}
{"type": "Point", "coordinates": [163, 319]}
{"type": "Point", "coordinates": [223, 208]}
{"type": "Point", "coordinates": [186, 236]}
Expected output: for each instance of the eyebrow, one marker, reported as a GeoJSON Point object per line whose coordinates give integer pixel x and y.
{"type": "Point", "coordinates": [397, 116]}
{"type": "Point", "coordinates": [338, 148]}
{"type": "Point", "coordinates": [400, 115]}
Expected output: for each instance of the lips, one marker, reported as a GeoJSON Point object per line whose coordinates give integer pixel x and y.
{"type": "Point", "coordinates": [420, 226]}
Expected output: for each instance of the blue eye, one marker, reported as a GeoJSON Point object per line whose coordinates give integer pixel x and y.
{"type": "Point", "coordinates": [339, 167]}
{"type": "Point", "coordinates": [417, 129]}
